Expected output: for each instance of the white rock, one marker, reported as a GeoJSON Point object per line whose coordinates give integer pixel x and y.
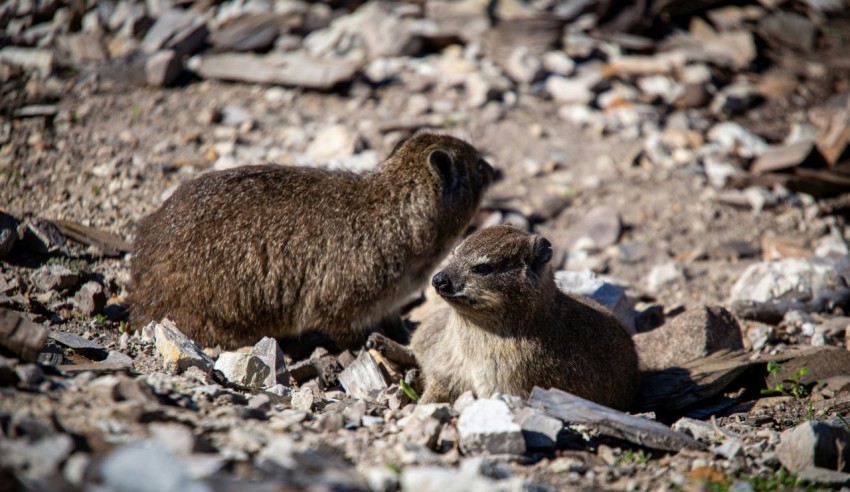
{"type": "Point", "coordinates": [303, 399]}
{"type": "Point", "coordinates": [244, 369]}
{"type": "Point", "coordinates": [583, 115]}
{"type": "Point", "coordinates": [791, 279]}
{"type": "Point", "coordinates": [487, 426]}
{"type": "Point", "coordinates": [718, 169]}
{"type": "Point", "coordinates": [146, 467]}
{"type": "Point", "coordinates": [736, 140]}
{"type": "Point", "coordinates": [699, 429]}
{"type": "Point", "coordinates": [559, 63]}
{"type": "Point", "coordinates": [832, 245]}
{"type": "Point", "coordinates": [178, 352]}
{"type": "Point", "coordinates": [571, 91]}
{"type": "Point", "coordinates": [523, 66]}
{"type": "Point", "coordinates": [664, 274]}
{"type": "Point", "coordinates": [662, 87]}
{"type": "Point", "coordinates": [333, 141]}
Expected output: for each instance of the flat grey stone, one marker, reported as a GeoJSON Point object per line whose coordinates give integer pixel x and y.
{"type": "Point", "coordinates": [539, 430]}
{"type": "Point", "coordinates": [289, 69]}
{"type": "Point", "coordinates": [610, 422]}
{"type": "Point", "coordinates": [74, 341]}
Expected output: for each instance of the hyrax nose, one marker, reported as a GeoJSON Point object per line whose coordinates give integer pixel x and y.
{"type": "Point", "coordinates": [441, 282]}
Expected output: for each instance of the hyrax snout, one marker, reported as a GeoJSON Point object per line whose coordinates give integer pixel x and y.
{"type": "Point", "coordinates": [274, 251]}
{"type": "Point", "coordinates": [506, 328]}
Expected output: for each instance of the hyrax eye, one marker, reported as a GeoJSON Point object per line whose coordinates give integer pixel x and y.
{"type": "Point", "coordinates": [482, 269]}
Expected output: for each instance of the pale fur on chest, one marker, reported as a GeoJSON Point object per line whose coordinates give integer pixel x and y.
{"type": "Point", "coordinates": [482, 361]}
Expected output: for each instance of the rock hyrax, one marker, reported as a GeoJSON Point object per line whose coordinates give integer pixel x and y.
{"type": "Point", "coordinates": [269, 250]}
{"type": "Point", "coordinates": [507, 328]}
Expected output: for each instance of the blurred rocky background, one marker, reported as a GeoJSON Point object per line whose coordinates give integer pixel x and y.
{"type": "Point", "coordinates": [688, 160]}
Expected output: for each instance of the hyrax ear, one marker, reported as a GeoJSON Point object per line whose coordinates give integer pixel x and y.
{"type": "Point", "coordinates": [442, 161]}
{"type": "Point", "coordinates": [541, 252]}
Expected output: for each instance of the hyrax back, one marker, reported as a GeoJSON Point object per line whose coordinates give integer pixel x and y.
{"type": "Point", "coordinates": [272, 251]}
{"type": "Point", "coordinates": [507, 328]}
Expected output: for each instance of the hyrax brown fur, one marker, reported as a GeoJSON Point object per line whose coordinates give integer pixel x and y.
{"type": "Point", "coordinates": [508, 328]}
{"type": "Point", "coordinates": [268, 250]}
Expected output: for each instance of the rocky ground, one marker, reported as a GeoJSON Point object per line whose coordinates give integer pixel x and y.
{"type": "Point", "coordinates": [689, 163]}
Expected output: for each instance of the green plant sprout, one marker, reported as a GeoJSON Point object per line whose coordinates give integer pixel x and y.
{"type": "Point", "coordinates": [410, 392]}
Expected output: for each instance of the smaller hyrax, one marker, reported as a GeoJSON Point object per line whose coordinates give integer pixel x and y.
{"type": "Point", "coordinates": [507, 328]}
{"type": "Point", "coordinates": [259, 251]}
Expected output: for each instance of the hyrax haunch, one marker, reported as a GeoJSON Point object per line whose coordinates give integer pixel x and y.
{"type": "Point", "coordinates": [507, 328]}
{"type": "Point", "coordinates": [259, 251]}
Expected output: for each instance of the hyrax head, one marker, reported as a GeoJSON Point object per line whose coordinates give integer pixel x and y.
{"type": "Point", "coordinates": [463, 174]}
{"type": "Point", "coordinates": [495, 267]}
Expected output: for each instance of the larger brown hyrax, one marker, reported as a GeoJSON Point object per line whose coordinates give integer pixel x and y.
{"type": "Point", "coordinates": [507, 328]}
{"type": "Point", "coordinates": [236, 255]}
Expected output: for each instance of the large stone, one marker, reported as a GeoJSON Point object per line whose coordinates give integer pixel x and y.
{"type": "Point", "coordinates": [787, 29]}
{"type": "Point", "coordinates": [78, 343]}
{"type": "Point", "coordinates": [178, 352]}
{"type": "Point", "coordinates": [569, 90]}
{"type": "Point", "coordinates": [815, 444]}
{"type": "Point", "coordinates": [736, 140]}
{"type": "Point", "coordinates": [333, 141]}
{"type": "Point", "coordinates": [269, 351]}
{"type": "Point", "coordinates": [783, 157]}
{"type": "Point", "coordinates": [793, 279]}
{"type": "Point", "coordinates": [183, 31]}
{"type": "Point", "coordinates": [244, 369]}
{"type": "Point", "coordinates": [21, 336]}
{"type": "Point", "coordinates": [41, 60]}
{"type": "Point", "coordinates": [163, 68]}
{"type": "Point", "coordinates": [83, 47]}
{"type": "Point", "coordinates": [641, 431]}
{"type": "Point", "coordinates": [487, 427]}
{"type": "Point", "coordinates": [587, 284]}
{"type": "Point", "coordinates": [290, 69]}
{"type": "Point", "coordinates": [697, 333]}
{"type": "Point", "coordinates": [38, 460]}
{"type": "Point", "coordinates": [539, 430]}
{"type": "Point", "coordinates": [8, 233]}
{"type": "Point", "coordinates": [90, 299]}
{"type": "Point", "coordinates": [42, 236]}
{"type": "Point", "coordinates": [250, 32]}
{"type": "Point", "coordinates": [363, 378]}
{"type": "Point", "coordinates": [55, 277]}
{"type": "Point", "coordinates": [147, 467]}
